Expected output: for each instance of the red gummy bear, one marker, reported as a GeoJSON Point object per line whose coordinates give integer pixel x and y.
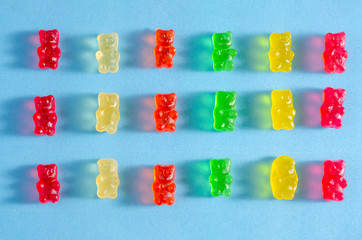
{"type": "Point", "coordinates": [164, 50]}
{"type": "Point", "coordinates": [48, 185]}
{"type": "Point", "coordinates": [48, 52]}
{"type": "Point", "coordinates": [332, 109]}
{"type": "Point", "coordinates": [335, 55]}
{"type": "Point", "coordinates": [165, 114]}
{"type": "Point", "coordinates": [45, 117]}
{"type": "Point", "coordinates": [164, 186]}
{"type": "Point", "coordinates": [333, 181]}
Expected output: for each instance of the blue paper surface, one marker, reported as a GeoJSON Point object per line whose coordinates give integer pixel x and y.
{"type": "Point", "coordinates": [251, 212]}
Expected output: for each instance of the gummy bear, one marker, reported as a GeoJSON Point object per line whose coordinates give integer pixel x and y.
{"type": "Point", "coordinates": [335, 55]}
{"type": "Point", "coordinates": [223, 54]}
{"type": "Point", "coordinates": [165, 114]}
{"type": "Point", "coordinates": [333, 181]}
{"type": "Point", "coordinates": [282, 111]}
{"type": "Point", "coordinates": [164, 50]}
{"type": "Point", "coordinates": [225, 112]}
{"type": "Point", "coordinates": [283, 178]}
{"type": "Point", "coordinates": [108, 55]}
{"type": "Point", "coordinates": [49, 52]}
{"type": "Point", "coordinates": [45, 117]}
{"type": "Point", "coordinates": [280, 55]}
{"type": "Point", "coordinates": [164, 187]}
{"type": "Point", "coordinates": [107, 180]}
{"type": "Point", "coordinates": [48, 185]}
{"type": "Point", "coordinates": [220, 179]}
{"type": "Point", "coordinates": [332, 109]}
{"type": "Point", "coordinates": [108, 112]}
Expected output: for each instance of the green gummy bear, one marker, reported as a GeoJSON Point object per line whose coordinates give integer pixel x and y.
{"type": "Point", "coordinates": [220, 179]}
{"type": "Point", "coordinates": [225, 112]}
{"type": "Point", "coordinates": [223, 54]}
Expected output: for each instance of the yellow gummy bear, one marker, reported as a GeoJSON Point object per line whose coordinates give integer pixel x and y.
{"type": "Point", "coordinates": [108, 55]}
{"type": "Point", "coordinates": [282, 110]}
{"type": "Point", "coordinates": [107, 113]}
{"type": "Point", "coordinates": [283, 178]}
{"type": "Point", "coordinates": [280, 55]}
{"type": "Point", "coordinates": [107, 180]}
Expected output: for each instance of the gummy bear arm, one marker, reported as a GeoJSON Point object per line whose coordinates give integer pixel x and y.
{"type": "Point", "coordinates": [157, 186]}
{"type": "Point", "coordinates": [99, 54]}
{"type": "Point", "coordinates": [228, 179]}
{"type": "Point", "coordinates": [57, 52]}
{"type": "Point", "coordinates": [39, 185]}
{"type": "Point", "coordinates": [56, 185]}
{"type": "Point", "coordinates": [343, 183]}
{"type": "Point", "coordinates": [172, 50]}
{"type": "Point", "coordinates": [231, 52]}
{"type": "Point", "coordinates": [172, 187]}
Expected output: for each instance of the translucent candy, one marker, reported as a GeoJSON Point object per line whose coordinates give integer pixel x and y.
{"type": "Point", "coordinates": [283, 178]}
{"type": "Point", "coordinates": [108, 112]}
{"type": "Point", "coordinates": [108, 55]}
{"type": "Point", "coordinates": [280, 55]}
{"type": "Point", "coordinates": [225, 112]}
{"type": "Point", "coordinates": [107, 180]}
{"type": "Point", "coordinates": [282, 111]}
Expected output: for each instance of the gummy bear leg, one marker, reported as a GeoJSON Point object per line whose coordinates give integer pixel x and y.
{"type": "Point", "coordinates": [171, 127]}
{"type": "Point", "coordinates": [39, 131]}
{"type": "Point", "coordinates": [227, 192]}
{"type": "Point", "coordinates": [216, 192]}
{"type": "Point", "coordinates": [50, 131]}
{"type": "Point", "coordinates": [170, 201]}
{"type": "Point", "coordinates": [160, 127]}
{"type": "Point", "coordinates": [114, 68]}
{"type": "Point", "coordinates": [42, 64]}
{"type": "Point", "coordinates": [229, 65]}
{"type": "Point", "coordinates": [43, 198]}
{"type": "Point", "coordinates": [54, 198]}
{"type": "Point", "coordinates": [219, 66]}
{"type": "Point", "coordinates": [53, 65]}
{"type": "Point", "coordinates": [169, 64]}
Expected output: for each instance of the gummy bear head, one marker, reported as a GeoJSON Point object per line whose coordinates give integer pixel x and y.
{"type": "Point", "coordinates": [282, 97]}
{"type": "Point", "coordinates": [164, 37]}
{"type": "Point", "coordinates": [334, 95]}
{"type": "Point", "coordinates": [220, 166]}
{"type": "Point", "coordinates": [108, 100]}
{"type": "Point", "coordinates": [225, 99]}
{"type": "Point", "coordinates": [278, 39]}
{"type": "Point", "coordinates": [165, 172]}
{"type": "Point", "coordinates": [50, 37]}
{"type": "Point", "coordinates": [47, 102]}
{"type": "Point", "coordinates": [107, 166]}
{"type": "Point", "coordinates": [222, 40]}
{"type": "Point", "coordinates": [166, 101]}
{"type": "Point", "coordinates": [336, 40]}
{"type": "Point", "coordinates": [108, 41]}
{"type": "Point", "coordinates": [47, 171]}
{"type": "Point", "coordinates": [334, 168]}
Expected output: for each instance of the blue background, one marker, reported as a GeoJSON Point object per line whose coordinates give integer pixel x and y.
{"type": "Point", "coordinates": [250, 212]}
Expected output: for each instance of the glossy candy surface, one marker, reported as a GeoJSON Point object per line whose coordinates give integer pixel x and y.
{"type": "Point", "coordinates": [220, 179]}
{"type": "Point", "coordinates": [332, 109]}
{"type": "Point", "coordinates": [107, 180]}
{"type": "Point", "coordinates": [283, 178]}
{"type": "Point", "coordinates": [165, 114]}
{"type": "Point", "coordinates": [282, 111]}
{"type": "Point", "coordinates": [223, 54]}
{"type": "Point", "coordinates": [335, 54]}
{"type": "Point", "coordinates": [280, 55]}
{"type": "Point", "coordinates": [225, 112]}
{"type": "Point", "coordinates": [49, 52]}
{"type": "Point", "coordinates": [48, 185]}
{"type": "Point", "coordinates": [108, 112]}
{"type": "Point", "coordinates": [333, 182]}
{"type": "Point", "coordinates": [164, 50]}
{"type": "Point", "coordinates": [45, 117]}
{"type": "Point", "coordinates": [164, 187]}
{"type": "Point", "coordinates": [108, 55]}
